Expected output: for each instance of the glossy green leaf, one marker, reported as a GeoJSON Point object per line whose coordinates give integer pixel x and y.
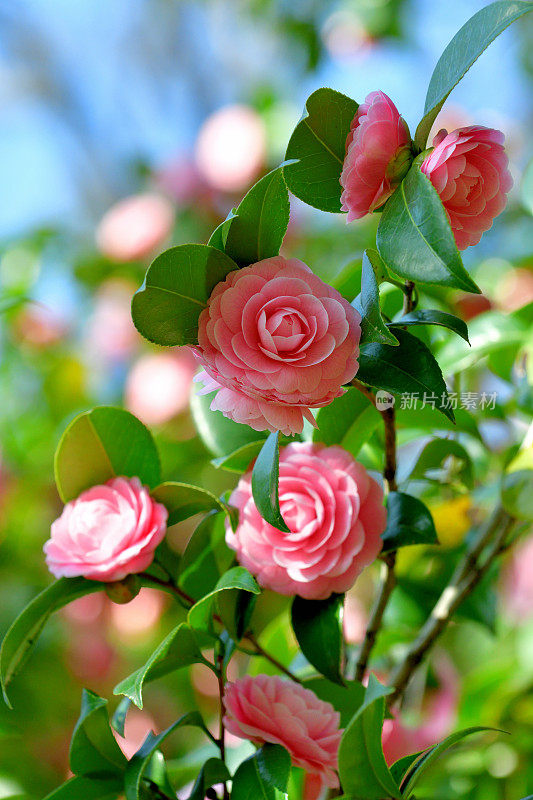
{"type": "Point", "coordinates": [257, 230]}
{"type": "Point", "coordinates": [274, 766]}
{"type": "Point", "coordinates": [410, 368]}
{"type": "Point", "coordinates": [444, 459]}
{"type": "Point", "coordinates": [400, 768]}
{"type": "Point", "coordinates": [205, 558]}
{"type": "Point", "coordinates": [235, 608]}
{"type": "Point", "coordinates": [415, 239]}
{"type": "Point", "coordinates": [463, 50]}
{"type": "Point", "coordinates": [101, 444]}
{"type": "Point", "coordinates": [318, 144]}
{"type": "Point", "coordinates": [240, 459]}
{"type": "Point", "coordinates": [178, 649]}
{"type": "Point", "coordinates": [118, 720]}
{"type": "Point", "coordinates": [431, 316]}
{"type": "Point", "coordinates": [265, 477]}
{"type": "Point", "coordinates": [200, 615]}
{"type": "Point", "coordinates": [428, 759]}
{"type": "Point", "coordinates": [317, 625]}
{"type": "Point", "coordinates": [517, 493]}
{"type": "Point", "coordinates": [409, 521]}
{"type": "Point", "coordinates": [489, 333]}
{"type": "Point", "coordinates": [24, 632]}
{"type": "Point", "coordinates": [220, 234]}
{"type": "Point", "coordinates": [220, 435]}
{"type": "Point", "coordinates": [346, 699]}
{"type": "Point", "coordinates": [373, 329]}
{"type": "Point", "coordinates": [350, 420]}
{"type": "Point", "coordinates": [363, 770]}
{"type": "Point", "coordinates": [183, 500]}
{"type": "Point", "coordinates": [93, 749]}
{"type": "Point", "coordinates": [248, 783]}
{"type": "Point", "coordinates": [138, 765]}
{"type": "Point", "coordinates": [87, 789]}
{"type": "Point", "coordinates": [213, 771]}
{"type": "Point", "coordinates": [177, 286]}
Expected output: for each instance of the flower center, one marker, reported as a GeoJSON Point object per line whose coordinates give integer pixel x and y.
{"type": "Point", "coordinates": [284, 332]}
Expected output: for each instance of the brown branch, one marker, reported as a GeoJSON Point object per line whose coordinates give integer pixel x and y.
{"type": "Point", "coordinates": [274, 661]}
{"type": "Point", "coordinates": [467, 576]}
{"type": "Point", "coordinates": [387, 585]}
{"type": "Point", "coordinates": [221, 742]}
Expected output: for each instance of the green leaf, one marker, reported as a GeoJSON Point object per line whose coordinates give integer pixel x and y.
{"type": "Point", "coordinates": [363, 770]}
{"type": "Point", "coordinates": [428, 759]}
{"type": "Point", "coordinates": [401, 767]}
{"type": "Point", "coordinates": [118, 720]}
{"type": "Point", "coordinates": [489, 333]}
{"type": "Point", "coordinates": [274, 766]}
{"type": "Point", "coordinates": [138, 765]}
{"type": "Point", "coordinates": [433, 317]}
{"type": "Point", "coordinates": [463, 50]}
{"type": "Point", "coordinates": [87, 789]}
{"type": "Point", "coordinates": [410, 368]}
{"type": "Point", "coordinates": [408, 522]}
{"type": "Point", "coordinates": [183, 500]}
{"type": "Point", "coordinates": [220, 435]}
{"type": "Point", "coordinates": [248, 783]}
{"type": "Point", "coordinates": [318, 144]}
{"type": "Point", "coordinates": [24, 632]}
{"type": "Point", "coordinates": [265, 477]}
{"type": "Point", "coordinates": [517, 494]}
{"type": "Point", "coordinates": [205, 558]}
{"type": "Point", "coordinates": [317, 625]}
{"type": "Point", "coordinates": [423, 419]}
{"type": "Point", "coordinates": [257, 230]}
{"type": "Point", "coordinates": [220, 234]}
{"type": "Point", "coordinates": [101, 444]}
{"type": "Point", "coordinates": [93, 749]}
{"type": "Point", "coordinates": [200, 615]}
{"type": "Point", "coordinates": [373, 329]}
{"type": "Point", "coordinates": [235, 608]}
{"type": "Point", "coordinates": [415, 239]}
{"type": "Point", "coordinates": [213, 771]}
{"type": "Point", "coordinates": [177, 286]}
{"type": "Point", "coordinates": [345, 699]}
{"type": "Point", "coordinates": [179, 649]}
{"type": "Point", "coordinates": [444, 456]}
{"type": "Point", "coordinates": [350, 420]}
{"type": "Point", "coordinates": [240, 459]}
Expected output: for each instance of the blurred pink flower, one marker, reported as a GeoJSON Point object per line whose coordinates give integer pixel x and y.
{"type": "Point", "coordinates": [158, 385]}
{"type": "Point", "coordinates": [335, 512]}
{"type": "Point", "coordinates": [278, 340]}
{"type": "Point", "coordinates": [231, 148]}
{"type": "Point", "coordinates": [517, 584]}
{"type": "Point", "coordinates": [270, 709]}
{"type": "Point", "coordinates": [107, 533]}
{"type": "Point", "coordinates": [438, 719]}
{"type": "Point", "coordinates": [468, 168]}
{"type": "Point", "coordinates": [515, 289]}
{"type": "Point", "coordinates": [180, 179]}
{"type": "Point", "coordinates": [134, 228]}
{"type": "Point", "coordinates": [39, 326]}
{"type": "Point", "coordinates": [111, 334]}
{"type": "Point", "coordinates": [140, 614]}
{"type": "Point", "coordinates": [355, 619]}
{"type": "Point", "coordinates": [378, 154]}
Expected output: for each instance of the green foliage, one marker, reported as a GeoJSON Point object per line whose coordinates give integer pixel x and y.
{"type": "Point", "coordinates": [264, 775]}
{"type": "Point", "coordinates": [94, 751]}
{"type": "Point", "coordinates": [408, 522]}
{"type": "Point", "coordinates": [176, 288]}
{"type": "Point", "coordinates": [444, 460]}
{"type": "Point", "coordinates": [86, 788]}
{"type": "Point", "coordinates": [101, 444]}
{"type": "Point", "coordinates": [317, 625]}
{"type": "Point", "coordinates": [350, 420]}
{"type": "Point", "coordinates": [200, 615]}
{"type": "Point", "coordinates": [318, 146]}
{"type": "Point", "coordinates": [411, 368]}
{"type": "Point", "coordinates": [220, 435]}
{"type": "Point", "coordinates": [373, 329]}
{"type": "Point", "coordinates": [265, 478]}
{"type": "Point", "coordinates": [363, 771]}
{"type": "Point", "coordinates": [205, 558]}
{"type": "Point", "coordinates": [213, 771]}
{"type": "Point", "coordinates": [463, 50]}
{"type": "Point", "coordinates": [414, 236]}
{"type": "Point", "coordinates": [345, 698]}
{"type": "Point", "coordinates": [429, 316]}
{"type": "Point", "coordinates": [183, 500]}
{"type": "Point", "coordinates": [240, 460]}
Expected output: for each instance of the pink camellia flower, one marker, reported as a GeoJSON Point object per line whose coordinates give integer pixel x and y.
{"type": "Point", "coordinates": [468, 168]}
{"type": "Point", "coordinates": [135, 227]}
{"type": "Point", "coordinates": [378, 155]}
{"type": "Point", "coordinates": [279, 341]}
{"type": "Point", "coordinates": [107, 533]}
{"type": "Point", "coordinates": [270, 709]}
{"type": "Point", "coordinates": [335, 513]}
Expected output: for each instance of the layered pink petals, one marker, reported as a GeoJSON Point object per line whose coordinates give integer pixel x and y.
{"type": "Point", "coordinates": [107, 533]}
{"type": "Point", "coordinates": [270, 709]}
{"type": "Point", "coordinates": [468, 168]}
{"type": "Point", "coordinates": [377, 156]}
{"type": "Point", "coordinates": [335, 513]}
{"type": "Point", "coordinates": [276, 341]}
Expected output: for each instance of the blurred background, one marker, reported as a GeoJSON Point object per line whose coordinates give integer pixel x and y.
{"type": "Point", "coordinates": [131, 125]}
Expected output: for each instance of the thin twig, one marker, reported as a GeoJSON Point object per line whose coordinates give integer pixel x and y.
{"type": "Point", "coordinates": [262, 652]}
{"type": "Point", "coordinates": [463, 582]}
{"type": "Point", "coordinates": [387, 585]}
{"type": "Point", "coordinates": [221, 742]}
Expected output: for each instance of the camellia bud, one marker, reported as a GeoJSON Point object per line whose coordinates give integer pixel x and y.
{"type": "Point", "coordinates": [400, 165]}
{"type": "Point", "coordinates": [125, 591]}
